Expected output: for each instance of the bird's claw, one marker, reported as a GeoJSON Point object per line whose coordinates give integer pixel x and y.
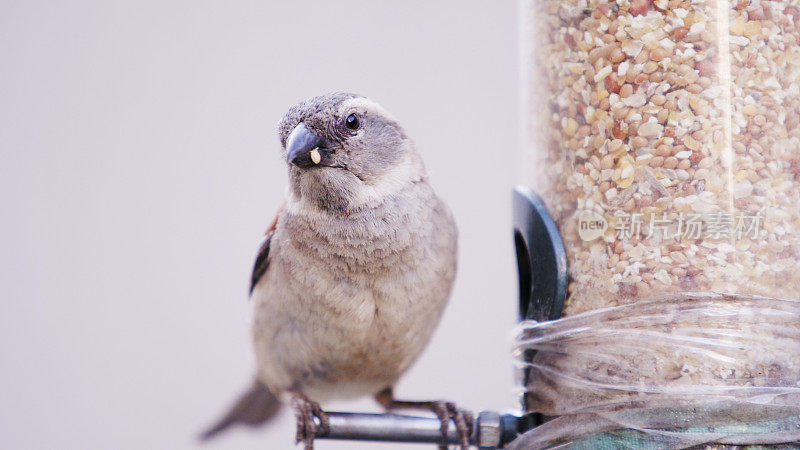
{"type": "Point", "coordinates": [463, 420]}
{"type": "Point", "coordinates": [307, 413]}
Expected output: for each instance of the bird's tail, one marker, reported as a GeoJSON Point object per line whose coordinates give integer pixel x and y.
{"type": "Point", "coordinates": [254, 407]}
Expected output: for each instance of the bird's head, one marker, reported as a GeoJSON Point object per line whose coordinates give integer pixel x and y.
{"type": "Point", "coordinates": [345, 151]}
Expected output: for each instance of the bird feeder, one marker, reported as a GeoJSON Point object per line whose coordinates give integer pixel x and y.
{"type": "Point", "coordinates": [662, 144]}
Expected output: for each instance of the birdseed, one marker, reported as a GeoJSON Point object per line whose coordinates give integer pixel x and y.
{"type": "Point", "coordinates": [676, 123]}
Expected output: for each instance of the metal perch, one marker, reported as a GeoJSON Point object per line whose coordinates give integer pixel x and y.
{"type": "Point", "coordinates": [492, 430]}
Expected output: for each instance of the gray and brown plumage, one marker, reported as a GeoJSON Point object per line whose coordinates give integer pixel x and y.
{"type": "Point", "coordinates": [355, 272]}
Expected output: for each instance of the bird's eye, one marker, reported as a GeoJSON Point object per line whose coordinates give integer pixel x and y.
{"type": "Point", "coordinates": [352, 122]}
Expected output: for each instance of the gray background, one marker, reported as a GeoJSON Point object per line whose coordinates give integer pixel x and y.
{"type": "Point", "coordinates": [140, 167]}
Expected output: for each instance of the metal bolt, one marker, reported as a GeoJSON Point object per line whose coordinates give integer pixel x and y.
{"type": "Point", "coordinates": [489, 431]}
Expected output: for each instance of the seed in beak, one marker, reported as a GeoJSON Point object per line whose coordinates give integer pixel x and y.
{"type": "Point", "coordinates": [315, 156]}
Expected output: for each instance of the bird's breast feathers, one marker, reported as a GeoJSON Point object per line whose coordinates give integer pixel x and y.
{"type": "Point", "coordinates": [374, 284]}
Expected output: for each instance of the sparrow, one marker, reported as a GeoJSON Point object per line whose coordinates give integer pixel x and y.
{"type": "Point", "coordinates": [354, 272]}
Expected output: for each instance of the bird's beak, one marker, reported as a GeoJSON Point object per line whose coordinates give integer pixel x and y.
{"type": "Point", "coordinates": [305, 149]}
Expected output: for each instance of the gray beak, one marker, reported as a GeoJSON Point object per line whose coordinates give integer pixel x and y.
{"type": "Point", "coordinates": [305, 149]}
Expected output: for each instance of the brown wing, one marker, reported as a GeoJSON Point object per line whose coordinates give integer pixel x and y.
{"type": "Point", "coordinates": [262, 259]}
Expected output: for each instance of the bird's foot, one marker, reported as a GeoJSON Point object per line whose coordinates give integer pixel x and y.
{"type": "Point", "coordinates": [463, 420]}
{"type": "Point", "coordinates": [445, 411]}
{"type": "Point", "coordinates": [308, 413]}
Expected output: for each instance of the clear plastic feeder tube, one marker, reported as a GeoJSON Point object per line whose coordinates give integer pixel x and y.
{"type": "Point", "coordinates": [664, 137]}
